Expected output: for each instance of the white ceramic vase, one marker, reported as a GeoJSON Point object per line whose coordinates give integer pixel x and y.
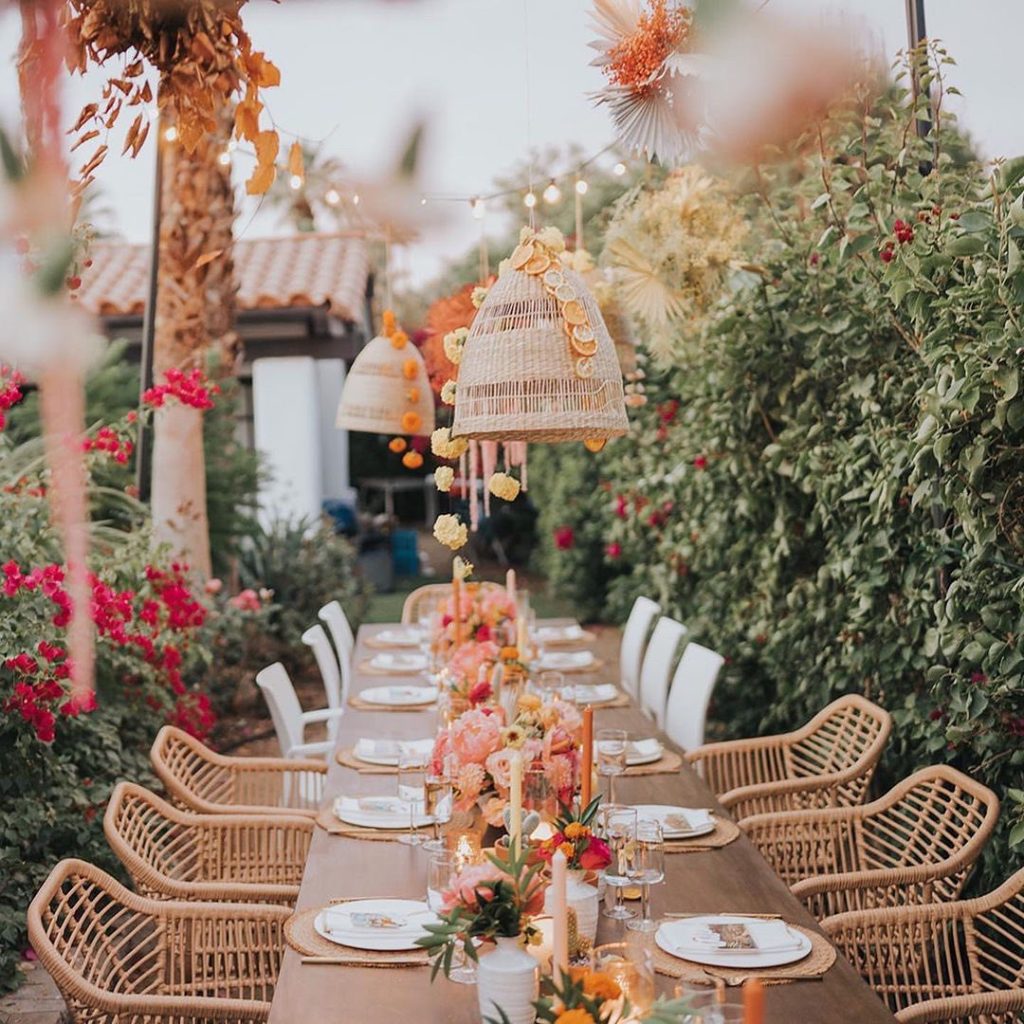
{"type": "Point", "coordinates": [584, 899]}
{"type": "Point", "coordinates": [507, 978]}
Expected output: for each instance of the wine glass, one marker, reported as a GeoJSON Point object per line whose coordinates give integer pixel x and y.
{"type": "Point", "coordinates": [412, 790]}
{"type": "Point", "coordinates": [441, 870]}
{"type": "Point", "coordinates": [437, 788]}
{"type": "Point", "coordinates": [618, 829]}
{"type": "Point", "coordinates": [631, 966]}
{"type": "Point", "coordinates": [705, 1007]}
{"type": "Point", "coordinates": [611, 745]}
{"type": "Point", "coordinates": [646, 867]}
{"type": "Point", "coordinates": [551, 682]}
{"type": "Point", "coordinates": [539, 795]}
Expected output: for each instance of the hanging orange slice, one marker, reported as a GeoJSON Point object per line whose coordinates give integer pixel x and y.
{"type": "Point", "coordinates": [595, 444]}
{"type": "Point", "coordinates": [522, 255]}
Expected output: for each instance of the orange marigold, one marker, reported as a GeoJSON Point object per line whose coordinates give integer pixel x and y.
{"type": "Point", "coordinates": [576, 830]}
{"type": "Point", "coordinates": [659, 31]}
{"type": "Point", "coordinates": [397, 445]}
{"type": "Point", "coordinates": [509, 654]}
{"type": "Point", "coordinates": [387, 323]}
{"type": "Point", "coordinates": [600, 986]}
{"type": "Point", "coordinates": [411, 421]}
{"type": "Point", "coordinates": [412, 460]}
{"type": "Point", "coordinates": [577, 1016]}
{"type": "Point", "coordinates": [410, 369]}
{"type": "Point", "coordinates": [399, 339]}
{"type": "Point", "coordinates": [413, 394]}
{"type": "Point", "coordinates": [568, 849]}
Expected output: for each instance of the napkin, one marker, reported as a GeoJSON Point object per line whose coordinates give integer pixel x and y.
{"type": "Point", "coordinates": [644, 748]}
{"type": "Point", "coordinates": [392, 748]}
{"type": "Point", "coordinates": [737, 937]}
{"type": "Point", "coordinates": [400, 636]}
{"type": "Point", "coordinates": [560, 633]}
{"type": "Point", "coordinates": [684, 821]}
{"type": "Point", "coordinates": [566, 659]}
{"type": "Point", "coordinates": [399, 661]}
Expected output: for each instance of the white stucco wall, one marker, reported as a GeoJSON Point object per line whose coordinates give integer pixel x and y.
{"type": "Point", "coordinates": [334, 442]}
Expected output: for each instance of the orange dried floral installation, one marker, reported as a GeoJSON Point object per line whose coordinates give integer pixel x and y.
{"type": "Point", "coordinates": [661, 30]}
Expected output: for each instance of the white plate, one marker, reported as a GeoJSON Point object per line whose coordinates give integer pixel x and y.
{"type": "Point", "coordinates": [399, 696]}
{"type": "Point", "coordinates": [600, 693]}
{"type": "Point", "coordinates": [566, 661]}
{"type": "Point", "coordinates": [383, 812]}
{"type": "Point", "coordinates": [701, 822]}
{"type": "Point", "coordinates": [410, 637]}
{"type": "Point", "coordinates": [399, 664]}
{"type": "Point", "coordinates": [347, 924]}
{"type": "Point", "coordinates": [670, 933]}
{"type": "Point", "coordinates": [641, 751]}
{"type": "Point", "coordinates": [561, 634]}
{"type": "Point", "coordinates": [386, 752]}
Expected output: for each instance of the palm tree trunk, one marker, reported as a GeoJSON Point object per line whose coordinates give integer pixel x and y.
{"type": "Point", "coordinates": [194, 313]}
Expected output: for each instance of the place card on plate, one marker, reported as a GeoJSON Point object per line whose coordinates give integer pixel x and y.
{"type": "Point", "coordinates": [380, 924]}
{"type": "Point", "coordinates": [600, 693]}
{"type": "Point", "coordinates": [399, 696]}
{"type": "Point", "coordinates": [386, 752]}
{"type": "Point", "coordinates": [678, 822]}
{"type": "Point", "coordinates": [566, 661]}
{"type": "Point", "coordinates": [723, 940]}
{"type": "Point", "coordinates": [399, 663]}
{"type": "Point", "coordinates": [383, 812]}
{"type": "Point", "coordinates": [407, 636]}
{"type": "Point", "coordinates": [562, 634]}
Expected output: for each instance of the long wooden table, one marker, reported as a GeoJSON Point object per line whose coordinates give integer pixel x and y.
{"type": "Point", "coordinates": [734, 878]}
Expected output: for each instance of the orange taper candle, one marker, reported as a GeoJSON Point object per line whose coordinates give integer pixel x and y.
{"type": "Point", "coordinates": [753, 1002]}
{"type": "Point", "coordinates": [587, 757]}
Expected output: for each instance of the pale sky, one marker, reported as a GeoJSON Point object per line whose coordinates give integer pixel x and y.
{"type": "Point", "coordinates": [357, 73]}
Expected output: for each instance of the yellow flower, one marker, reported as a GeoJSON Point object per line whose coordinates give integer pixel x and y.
{"type": "Point", "coordinates": [552, 238]}
{"type": "Point", "coordinates": [444, 446]}
{"type": "Point", "coordinates": [577, 1016]}
{"type": "Point", "coordinates": [530, 702]}
{"type": "Point", "coordinates": [412, 460]}
{"type": "Point", "coordinates": [444, 477]}
{"type": "Point", "coordinates": [503, 486]}
{"type": "Point", "coordinates": [512, 736]}
{"type": "Point", "coordinates": [448, 392]}
{"type": "Point", "coordinates": [397, 445]}
{"type": "Point", "coordinates": [411, 421]}
{"type": "Point", "coordinates": [576, 830]}
{"type": "Point", "coordinates": [478, 295]}
{"type": "Point", "coordinates": [600, 986]}
{"type": "Point", "coordinates": [450, 532]}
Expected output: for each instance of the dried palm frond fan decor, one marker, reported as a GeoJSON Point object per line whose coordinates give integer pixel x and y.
{"type": "Point", "coordinates": [538, 363]}
{"type": "Point", "coordinates": [387, 391]}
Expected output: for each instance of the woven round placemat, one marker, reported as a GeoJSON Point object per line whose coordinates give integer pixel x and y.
{"type": "Point", "coordinates": [346, 757]}
{"type": "Point", "coordinates": [329, 822]}
{"type": "Point", "coordinates": [300, 934]}
{"type": "Point", "coordinates": [726, 831]}
{"type": "Point", "coordinates": [668, 764]}
{"type": "Point", "coordinates": [359, 704]}
{"type": "Point", "coordinates": [821, 957]}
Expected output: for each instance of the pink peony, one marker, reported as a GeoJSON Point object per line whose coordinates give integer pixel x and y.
{"type": "Point", "coordinates": [475, 736]}
{"type": "Point", "coordinates": [469, 782]}
{"type": "Point", "coordinates": [469, 888]}
{"type": "Point", "coordinates": [499, 767]}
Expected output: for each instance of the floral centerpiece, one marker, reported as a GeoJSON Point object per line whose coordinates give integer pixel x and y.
{"type": "Point", "coordinates": [574, 837]}
{"type": "Point", "coordinates": [484, 614]}
{"type": "Point", "coordinates": [462, 679]}
{"type": "Point", "coordinates": [479, 744]}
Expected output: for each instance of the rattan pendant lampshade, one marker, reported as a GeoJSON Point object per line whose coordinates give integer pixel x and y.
{"type": "Point", "coordinates": [387, 391]}
{"type": "Point", "coordinates": [539, 364]}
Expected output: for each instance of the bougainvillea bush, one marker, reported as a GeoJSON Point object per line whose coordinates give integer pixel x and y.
{"type": "Point", "coordinates": [825, 485]}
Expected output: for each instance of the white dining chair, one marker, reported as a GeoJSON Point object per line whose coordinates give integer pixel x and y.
{"type": "Point", "coordinates": [334, 617]}
{"type": "Point", "coordinates": [335, 679]}
{"type": "Point", "coordinates": [634, 639]}
{"type": "Point", "coordinates": [689, 695]}
{"type": "Point", "coordinates": [656, 671]}
{"type": "Point", "coordinates": [289, 719]}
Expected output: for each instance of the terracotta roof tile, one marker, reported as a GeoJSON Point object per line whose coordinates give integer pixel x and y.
{"type": "Point", "coordinates": [273, 273]}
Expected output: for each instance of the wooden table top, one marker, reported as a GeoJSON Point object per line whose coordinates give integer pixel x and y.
{"type": "Point", "coordinates": [733, 878]}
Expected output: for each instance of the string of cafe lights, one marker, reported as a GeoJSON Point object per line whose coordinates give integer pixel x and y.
{"type": "Point", "coordinates": [573, 179]}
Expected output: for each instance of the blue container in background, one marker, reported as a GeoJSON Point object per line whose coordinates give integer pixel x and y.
{"type": "Point", "coordinates": [405, 552]}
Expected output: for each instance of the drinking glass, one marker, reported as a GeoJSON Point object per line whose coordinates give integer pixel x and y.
{"type": "Point", "coordinates": [618, 829]}
{"type": "Point", "coordinates": [412, 790]}
{"type": "Point", "coordinates": [646, 867]}
{"type": "Point", "coordinates": [704, 1008]}
{"type": "Point", "coordinates": [440, 869]}
{"type": "Point", "coordinates": [540, 796]}
{"type": "Point", "coordinates": [438, 792]}
{"type": "Point", "coordinates": [631, 965]}
{"type": "Point", "coordinates": [611, 745]}
{"type": "Point", "coordinates": [551, 684]}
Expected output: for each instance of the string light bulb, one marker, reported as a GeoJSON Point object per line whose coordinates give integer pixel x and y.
{"type": "Point", "coordinates": [423, 200]}
{"type": "Point", "coordinates": [224, 158]}
{"type": "Point", "coordinates": [552, 193]}
{"type": "Point", "coordinates": [295, 181]}
{"type": "Point", "coordinates": [581, 187]}
{"type": "Point", "coordinates": [477, 205]}
{"type": "Point", "coordinates": [332, 197]}
{"type": "Point", "coordinates": [232, 145]}
{"type": "Point", "coordinates": [355, 199]}
{"type": "Point", "coordinates": [171, 134]}
{"type": "Point", "coordinates": [529, 200]}
{"type": "Point", "coordinates": [619, 169]}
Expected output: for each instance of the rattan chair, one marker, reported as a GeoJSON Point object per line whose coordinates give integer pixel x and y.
{"type": "Point", "coordinates": [173, 854]}
{"type": "Point", "coordinates": [120, 958]}
{"type": "Point", "coordinates": [424, 597]}
{"type": "Point", "coordinates": [826, 763]}
{"type": "Point", "coordinates": [197, 777]}
{"type": "Point", "coordinates": [958, 962]}
{"type": "Point", "coordinates": [914, 845]}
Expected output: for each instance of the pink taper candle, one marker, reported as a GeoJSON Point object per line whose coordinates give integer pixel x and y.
{"type": "Point", "coordinates": [560, 915]}
{"type": "Point", "coordinates": [510, 584]}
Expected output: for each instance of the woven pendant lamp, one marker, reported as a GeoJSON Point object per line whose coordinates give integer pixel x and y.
{"type": "Point", "coordinates": [538, 363]}
{"type": "Point", "coordinates": [387, 390]}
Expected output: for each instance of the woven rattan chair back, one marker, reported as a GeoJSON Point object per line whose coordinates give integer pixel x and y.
{"type": "Point", "coordinates": [642, 617]}
{"type": "Point", "coordinates": [119, 958]}
{"type": "Point", "coordinates": [197, 777]}
{"type": "Point", "coordinates": [953, 962]}
{"type": "Point", "coordinates": [171, 853]}
{"type": "Point", "coordinates": [424, 600]}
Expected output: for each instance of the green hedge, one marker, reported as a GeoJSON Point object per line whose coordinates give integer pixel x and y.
{"type": "Point", "coordinates": [825, 484]}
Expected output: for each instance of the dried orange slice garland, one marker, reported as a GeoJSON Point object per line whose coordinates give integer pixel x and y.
{"type": "Point", "coordinates": [534, 257]}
